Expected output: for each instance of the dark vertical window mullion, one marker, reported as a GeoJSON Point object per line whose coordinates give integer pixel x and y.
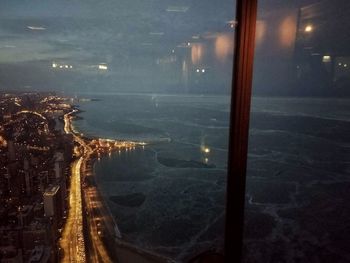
{"type": "Point", "coordinates": [239, 130]}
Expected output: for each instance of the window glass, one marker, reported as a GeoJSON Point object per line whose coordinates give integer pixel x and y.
{"type": "Point", "coordinates": [130, 101]}
{"type": "Point", "coordinates": [298, 168]}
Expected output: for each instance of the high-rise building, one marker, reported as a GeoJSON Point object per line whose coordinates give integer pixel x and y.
{"type": "Point", "coordinates": [53, 205]}
{"type": "Point", "coordinates": [59, 164]}
{"type": "Point", "coordinates": [11, 150]}
{"type": "Point", "coordinates": [27, 178]}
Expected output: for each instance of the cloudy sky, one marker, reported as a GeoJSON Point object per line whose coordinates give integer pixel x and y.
{"type": "Point", "coordinates": [146, 45]}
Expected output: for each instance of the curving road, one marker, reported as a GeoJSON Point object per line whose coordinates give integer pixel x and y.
{"type": "Point", "coordinates": [72, 241]}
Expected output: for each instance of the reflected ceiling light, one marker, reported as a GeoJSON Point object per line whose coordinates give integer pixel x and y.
{"type": "Point", "coordinates": [309, 28]}
{"type": "Point", "coordinates": [156, 33]}
{"type": "Point", "coordinates": [326, 59]}
{"type": "Point", "coordinates": [36, 28]}
{"type": "Point", "coordinates": [203, 70]}
{"type": "Point", "coordinates": [345, 65]}
{"type": "Point", "coordinates": [197, 70]}
{"type": "Point", "coordinates": [196, 53]}
{"type": "Point", "coordinates": [180, 9]}
{"type": "Point", "coordinates": [287, 32]}
{"type": "Point", "coordinates": [223, 47]}
{"type": "Point", "coordinates": [8, 46]}
{"type": "Point", "coordinates": [54, 65]}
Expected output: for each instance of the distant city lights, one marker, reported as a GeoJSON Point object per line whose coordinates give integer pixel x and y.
{"type": "Point", "coordinates": [102, 67]}
{"type": "Point", "coordinates": [61, 66]}
{"type": "Point", "coordinates": [207, 150]}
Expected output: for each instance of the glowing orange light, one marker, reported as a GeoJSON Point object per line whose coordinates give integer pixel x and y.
{"type": "Point", "coordinates": [287, 32]}
{"type": "Point", "coordinates": [260, 31]}
{"type": "Point", "coordinates": [196, 53]}
{"type": "Point", "coordinates": [223, 47]}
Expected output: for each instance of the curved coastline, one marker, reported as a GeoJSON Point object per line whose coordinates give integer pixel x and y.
{"type": "Point", "coordinates": [112, 236]}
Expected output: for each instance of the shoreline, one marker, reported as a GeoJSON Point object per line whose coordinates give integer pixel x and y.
{"type": "Point", "coordinates": [120, 247]}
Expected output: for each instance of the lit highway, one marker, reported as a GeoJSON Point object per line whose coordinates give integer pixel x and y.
{"type": "Point", "coordinates": [72, 240]}
{"type": "Point", "coordinates": [99, 222]}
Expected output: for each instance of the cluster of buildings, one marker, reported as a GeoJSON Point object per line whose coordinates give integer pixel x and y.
{"type": "Point", "coordinates": [35, 156]}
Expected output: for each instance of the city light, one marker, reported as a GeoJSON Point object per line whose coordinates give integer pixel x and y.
{"type": "Point", "coordinates": [3, 142]}
{"type": "Point", "coordinates": [203, 70]}
{"type": "Point", "coordinates": [54, 65]}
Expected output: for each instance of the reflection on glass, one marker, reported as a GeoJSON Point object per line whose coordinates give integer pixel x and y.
{"type": "Point", "coordinates": [129, 162]}
{"type": "Point", "coordinates": [298, 168]}
{"type": "Point", "coordinates": [223, 47]}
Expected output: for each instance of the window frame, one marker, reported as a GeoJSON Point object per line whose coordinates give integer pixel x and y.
{"type": "Point", "coordinates": [242, 78]}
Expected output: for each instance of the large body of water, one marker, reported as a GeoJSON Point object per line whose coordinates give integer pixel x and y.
{"type": "Point", "coordinates": [170, 196]}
